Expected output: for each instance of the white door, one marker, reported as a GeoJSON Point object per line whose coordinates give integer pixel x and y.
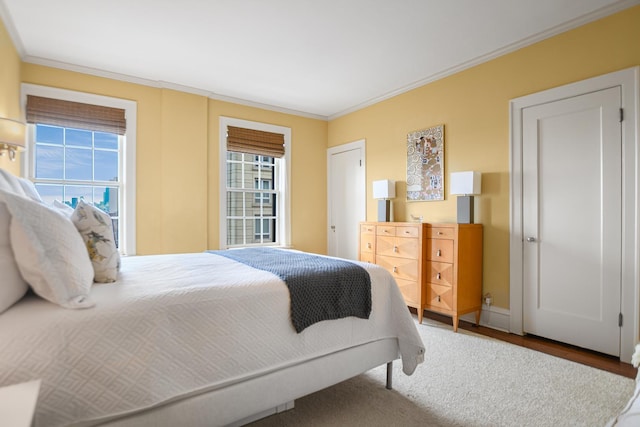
{"type": "Point", "coordinates": [346, 198]}
{"type": "Point", "coordinates": [572, 220]}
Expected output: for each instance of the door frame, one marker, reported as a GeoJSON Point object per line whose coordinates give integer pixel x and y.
{"type": "Point", "coordinates": [359, 144]}
{"type": "Point", "coordinates": [629, 81]}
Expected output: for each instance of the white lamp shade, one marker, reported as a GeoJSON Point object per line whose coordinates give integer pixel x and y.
{"type": "Point", "coordinates": [468, 182]}
{"type": "Point", "coordinates": [384, 189]}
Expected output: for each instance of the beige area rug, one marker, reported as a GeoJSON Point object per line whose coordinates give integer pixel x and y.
{"type": "Point", "coordinates": [467, 380]}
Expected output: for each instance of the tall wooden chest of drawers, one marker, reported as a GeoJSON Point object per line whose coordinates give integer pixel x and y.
{"type": "Point", "coordinates": [438, 267]}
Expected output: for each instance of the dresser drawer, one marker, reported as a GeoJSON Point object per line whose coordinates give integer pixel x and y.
{"type": "Point", "coordinates": [440, 250]}
{"type": "Point", "coordinates": [366, 242]}
{"type": "Point", "coordinates": [367, 229]}
{"type": "Point", "coordinates": [400, 268]}
{"type": "Point", "coordinates": [368, 257]}
{"type": "Point", "coordinates": [401, 247]}
{"type": "Point", "coordinates": [440, 297]}
{"type": "Point", "coordinates": [409, 290]}
{"type": "Point", "coordinates": [407, 231]}
{"type": "Point", "coordinates": [440, 273]}
{"type": "Point", "coordinates": [386, 230]}
{"type": "Point", "coordinates": [440, 233]}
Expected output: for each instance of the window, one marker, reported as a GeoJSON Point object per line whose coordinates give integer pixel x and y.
{"type": "Point", "coordinates": [75, 164]}
{"type": "Point", "coordinates": [264, 184]}
{"type": "Point", "coordinates": [76, 156]}
{"type": "Point", "coordinates": [263, 230]}
{"type": "Point", "coordinates": [254, 184]}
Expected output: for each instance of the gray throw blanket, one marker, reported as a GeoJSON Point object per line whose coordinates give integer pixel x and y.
{"type": "Point", "coordinates": [321, 288]}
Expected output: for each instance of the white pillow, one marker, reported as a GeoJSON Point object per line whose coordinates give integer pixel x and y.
{"type": "Point", "coordinates": [30, 190]}
{"type": "Point", "coordinates": [96, 228]}
{"type": "Point", "coordinates": [63, 208]}
{"type": "Point", "coordinates": [50, 254]}
{"type": "Point", "coordinates": [12, 287]}
{"type": "Point", "coordinates": [22, 186]}
{"type": "Point", "coordinates": [11, 183]}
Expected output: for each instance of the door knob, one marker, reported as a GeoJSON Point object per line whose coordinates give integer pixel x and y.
{"type": "Point", "coordinates": [531, 239]}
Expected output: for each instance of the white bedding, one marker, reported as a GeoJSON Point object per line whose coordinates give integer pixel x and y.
{"type": "Point", "coordinates": [177, 325]}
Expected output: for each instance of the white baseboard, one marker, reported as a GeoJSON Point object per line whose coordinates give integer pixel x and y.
{"type": "Point", "coordinates": [491, 317]}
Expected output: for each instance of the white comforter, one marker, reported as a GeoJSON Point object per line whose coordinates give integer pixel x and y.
{"type": "Point", "coordinates": [174, 325]}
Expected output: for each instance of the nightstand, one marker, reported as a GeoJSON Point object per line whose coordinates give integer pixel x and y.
{"type": "Point", "coordinates": [18, 403]}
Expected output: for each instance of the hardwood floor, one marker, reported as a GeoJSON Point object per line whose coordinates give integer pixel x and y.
{"type": "Point", "coordinates": [554, 348]}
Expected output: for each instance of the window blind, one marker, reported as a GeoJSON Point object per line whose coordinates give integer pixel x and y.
{"type": "Point", "coordinates": [75, 115]}
{"type": "Point", "coordinates": [255, 142]}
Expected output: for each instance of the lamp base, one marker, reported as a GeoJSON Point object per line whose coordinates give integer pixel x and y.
{"type": "Point", "coordinates": [465, 209]}
{"type": "Point", "coordinates": [384, 210]}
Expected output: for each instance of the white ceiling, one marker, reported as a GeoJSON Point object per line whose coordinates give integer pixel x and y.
{"type": "Point", "coordinates": [320, 58]}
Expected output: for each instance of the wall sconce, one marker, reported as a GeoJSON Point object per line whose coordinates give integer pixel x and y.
{"type": "Point", "coordinates": [12, 137]}
{"type": "Point", "coordinates": [465, 185]}
{"type": "Point", "coordinates": [384, 190]}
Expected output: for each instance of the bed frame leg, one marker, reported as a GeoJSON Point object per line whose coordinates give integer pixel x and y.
{"type": "Point", "coordinates": [389, 375]}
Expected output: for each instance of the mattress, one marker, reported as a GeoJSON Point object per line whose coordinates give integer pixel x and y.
{"type": "Point", "coordinates": [174, 326]}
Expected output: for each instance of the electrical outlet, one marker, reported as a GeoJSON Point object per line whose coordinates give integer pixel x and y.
{"type": "Point", "coordinates": [487, 299]}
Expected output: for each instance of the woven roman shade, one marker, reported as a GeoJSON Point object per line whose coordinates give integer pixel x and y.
{"type": "Point", "coordinates": [75, 115]}
{"type": "Point", "coordinates": [255, 142]}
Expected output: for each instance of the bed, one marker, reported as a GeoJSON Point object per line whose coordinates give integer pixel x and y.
{"type": "Point", "coordinates": [191, 339]}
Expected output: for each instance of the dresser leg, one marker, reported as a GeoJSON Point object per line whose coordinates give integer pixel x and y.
{"type": "Point", "coordinates": [455, 323]}
{"type": "Point", "coordinates": [420, 314]}
{"type": "Point", "coordinates": [478, 317]}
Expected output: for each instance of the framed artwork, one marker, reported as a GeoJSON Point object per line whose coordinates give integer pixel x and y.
{"type": "Point", "coordinates": [425, 164]}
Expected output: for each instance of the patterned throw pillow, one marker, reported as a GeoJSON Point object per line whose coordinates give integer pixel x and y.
{"type": "Point", "coordinates": [96, 228]}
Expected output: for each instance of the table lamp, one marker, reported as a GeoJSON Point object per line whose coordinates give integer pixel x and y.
{"type": "Point", "coordinates": [465, 185]}
{"type": "Point", "coordinates": [384, 190]}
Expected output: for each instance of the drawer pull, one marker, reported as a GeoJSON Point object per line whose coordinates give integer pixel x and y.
{"type": "Point", "coordinates": [395, 269]}
{"type": "Point", "coordinates": [438, 276]}
{"type": "Point", "coordinates": [368, 245]}
{"type": "Point", "coordinates": [407, 232]}
{"type": "Point", "coordinates": [395, 249]}
{"type": "Point", "coordinates": [438, 298]}
{"type": "Point", "coordinates": [439, 253]}
{"type": "Point", "coordinates": [440, 233]}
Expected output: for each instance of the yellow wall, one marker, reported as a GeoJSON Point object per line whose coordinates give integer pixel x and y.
{"type": "Point", "coordinates": [473, 106]}
{"type": "Point", "coordinates": [178, 161]}
{"type": "Point", "coordinates": [9, 89]}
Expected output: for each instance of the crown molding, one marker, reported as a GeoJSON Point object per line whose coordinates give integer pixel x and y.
{"type": "Point", "coordinates": [582, 20]}
{"type": "Point", "coordinates": [267, 107]}
{"type": "Point", "coordinates": [559, 29]}
{"type": "Point", "coordinates": [164, 85]}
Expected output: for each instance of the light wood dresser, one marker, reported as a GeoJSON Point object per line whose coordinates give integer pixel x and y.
{"type": "Point", "coordinates": [438, 267]}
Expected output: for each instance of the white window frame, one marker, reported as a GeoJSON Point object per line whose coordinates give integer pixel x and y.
{"type": "Point", "coordinates": [127, 218]}
{"type": "Point", "coordinates": [283, 227]}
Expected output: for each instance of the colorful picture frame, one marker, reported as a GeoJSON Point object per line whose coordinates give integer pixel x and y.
{"type": "Point", "coordinates": [425, 164]}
